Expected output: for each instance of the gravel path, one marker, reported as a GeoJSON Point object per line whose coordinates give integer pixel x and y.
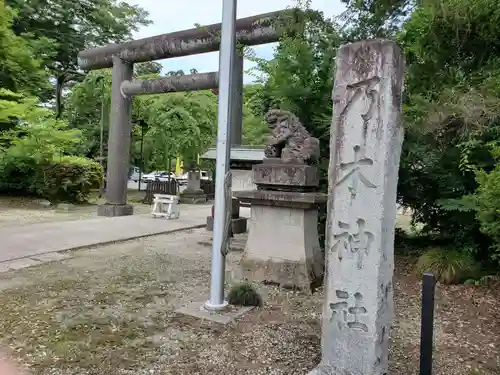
{"type": "Point", "coordinates": [110, 310]}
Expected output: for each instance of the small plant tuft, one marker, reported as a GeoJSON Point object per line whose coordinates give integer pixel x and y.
{"type": "Point", "coordinates": [484, 281]}
{"type": "Point", "coordinates": [244, 294]}
{"type": "Point", "coordinates": [449, 266]}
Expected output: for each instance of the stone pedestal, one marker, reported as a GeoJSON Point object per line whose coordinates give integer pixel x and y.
{"type": "Point", "coordinates": [193, 192]}
{"type": "Point", "coordinates": [273, 174]}
{"type": "Point", "coordinates": [112, 210]}
{"type": "Point", "coordinates": [283, 246]}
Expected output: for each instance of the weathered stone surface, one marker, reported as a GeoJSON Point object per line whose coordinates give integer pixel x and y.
{"type": "Point", "coordinates": [290, 141]}
{"type": "Point", "coordinates": [363, 175]}
{"type": "Point", "coordinates": [291, 199]}
{"type": "Point", "coordinates": [283, 247]}
{"type": "Point", "coordinates": [193, 182]}
{"type": "Point", "coordinates": [185, 83]}
{"type": "Point", "coordinates": [259, 29]}
{"type": "Point", "coordinates": [285, 175]}
{"type": "Point", "coordinates": [119, 135]}
{"type": "Point", "coordinates": [242, 180]}
{"type": "Point", "coordinates": [239, 225]}
{"type": "Point", "coordinates": [112, 210]}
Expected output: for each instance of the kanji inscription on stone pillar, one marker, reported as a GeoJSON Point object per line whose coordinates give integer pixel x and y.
{"type": "Point", "coordinates": [365, 148]}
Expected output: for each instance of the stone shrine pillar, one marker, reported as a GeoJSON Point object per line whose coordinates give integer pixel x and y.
{"type": "Point", "coordinates": [363, 175]}
{"type": "Point", "coordinates": [283, 245]}
{"type": "Point", "coordinates": [118, 144]}
{"type": "Point", "coordinates": [193, 192]}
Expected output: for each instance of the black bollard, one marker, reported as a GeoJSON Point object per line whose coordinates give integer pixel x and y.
{"type": "Point", "coordinates": [427, 323]}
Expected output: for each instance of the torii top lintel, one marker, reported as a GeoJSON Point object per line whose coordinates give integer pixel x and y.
{"type": "Point", "coordinates": [255, 30]}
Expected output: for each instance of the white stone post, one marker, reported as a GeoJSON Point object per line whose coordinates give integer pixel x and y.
{"type": "Point", "coordinates": [365, 148]}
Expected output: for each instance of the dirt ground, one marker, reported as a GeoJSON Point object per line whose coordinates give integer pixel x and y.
{"type": "Point", "coordinates": [22, 211]}
{"type": "Point", "coordinates": [110, 310]}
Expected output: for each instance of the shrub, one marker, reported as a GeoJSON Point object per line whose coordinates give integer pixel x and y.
{"type": "Point", "coordinates": [68, 179]}
{"type": "Point", "coordinates": [487, 198]}
{"type": "Point", "coordinates": [244, 295]}
{"type": "Point", "coordinates": [448, 266]}
{"type": "Point", "coordinates": [34, 156]}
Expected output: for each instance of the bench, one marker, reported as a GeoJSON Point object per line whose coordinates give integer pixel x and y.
{"type": "Point", "coordinates": [166, 206]}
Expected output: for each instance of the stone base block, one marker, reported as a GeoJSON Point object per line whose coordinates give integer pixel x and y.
{"type": "Point", "coordinates": [196, 196]}
{"type": "Point", "coordinates": [113, 210]}
{"type": "Point", "coordinates": [283, 248]}
{"type": "Point", "coordinates": [286, 274]}
{"type": "Point", "coordinates": [238, 225]}
{"type": "Point", "coordinates": [226, 316]}
{"type": "Point", "coordinates": [282, 175]}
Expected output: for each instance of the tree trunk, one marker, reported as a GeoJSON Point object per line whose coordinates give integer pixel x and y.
{"type": "Point", "coordinates": [59, 88]}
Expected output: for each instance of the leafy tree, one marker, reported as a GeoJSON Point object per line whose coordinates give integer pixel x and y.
{"type": "Point", "coordinates": [487, 200]}
{"type": "Point", "coordinates": [88, 107]}
{"type": "Point", "coordinates": [366, 19]}
{"type": "Point", "coordinates": [172, 73]}
{"type": "Point", "coordinates": [19, 70]}
{"type": "Point", "coordinates": [255, 129]}
{"type": "Point", "coordinates": [300, 77]}
{"type": "Point", "coordinates": [146, 68]}
{"type": "Point", "coordinates": [179, 124]}
{"type": "Point", "coordinates": [74, 26]}
{"type": "Point", "coordinates": [451, 113]}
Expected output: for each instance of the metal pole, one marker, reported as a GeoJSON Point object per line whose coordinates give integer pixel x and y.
{"type": "Point", "coordinates": [223, 153]}
{"type": "Point", "coordinates": [427, 324]}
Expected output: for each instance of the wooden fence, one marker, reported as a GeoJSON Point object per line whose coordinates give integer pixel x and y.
{"type": "Point", "coordinates": [160, 187]}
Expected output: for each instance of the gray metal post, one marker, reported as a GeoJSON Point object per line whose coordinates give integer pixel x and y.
{"type": "Point", "coordinates": [226, 67]}
{"type": "Point", "coordinates": [237, 101]}
{"type": "Point", "coordinates": [118, 144]}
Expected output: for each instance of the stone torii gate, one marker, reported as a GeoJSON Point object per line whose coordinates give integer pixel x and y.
{"type": "Point", "coordinates": [250, 31]}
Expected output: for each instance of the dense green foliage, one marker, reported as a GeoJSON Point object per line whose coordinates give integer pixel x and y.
{"type": "Point", "coordinates": [487, 205]}
{"type": "Point", "coordinates": [39, 154]}
{"type": "Point", "coordinates": [72, 27]}
{"type": "Point", "coordinates": [35, 156]}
